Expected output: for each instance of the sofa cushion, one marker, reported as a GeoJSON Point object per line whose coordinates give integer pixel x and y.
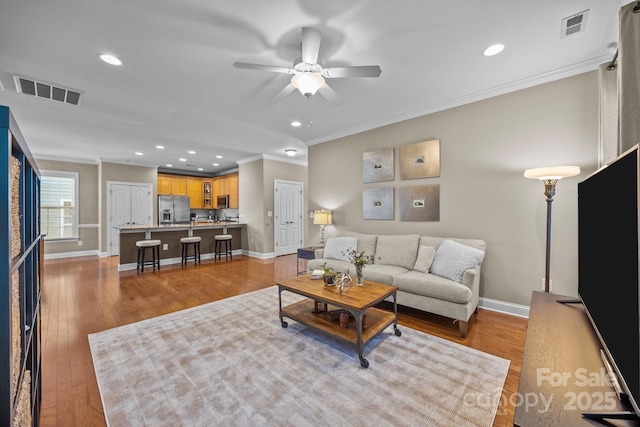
{"type": "Point", "coordinates": [337, 247]}
{"type": "Point", "coordinates": [366, 242]}
{"type": "Point", "coordinates": [424, 259]}
{"type": "Point", "coordinates": [380, 273]}
{"type": "Point", "coordinates": [397, 250]}
{"type": "Point", "coordinates": [452, 259]}
{"type": "Point", "coordinates": [432, 286]}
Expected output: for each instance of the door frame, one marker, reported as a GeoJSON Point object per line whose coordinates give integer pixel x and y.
{"type": "Point", "coordinates": [276, 211]}
{"type": "Point", "coordinates": [110, 184]}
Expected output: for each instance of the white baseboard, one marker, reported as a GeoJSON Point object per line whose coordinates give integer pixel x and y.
{"type": "Point", "coordinates": [504, 307]}
{"type": "Point", "coordinates": [259, 255]}
{"type": "Point", "coordinates": [71, 254]}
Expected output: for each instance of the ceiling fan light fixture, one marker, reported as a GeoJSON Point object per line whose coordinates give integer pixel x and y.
{"type": "Point", "coordinates": [307, 83]}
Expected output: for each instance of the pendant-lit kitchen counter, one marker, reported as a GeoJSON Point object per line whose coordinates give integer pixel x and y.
{"type": "Point", "coordinates": [170, 235]}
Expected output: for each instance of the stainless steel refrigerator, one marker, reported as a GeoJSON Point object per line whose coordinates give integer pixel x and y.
{"type": "Point", "coordinates": [173, 210]}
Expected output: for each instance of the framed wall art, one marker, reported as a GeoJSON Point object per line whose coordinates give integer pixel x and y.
{"type": "Point", "coordinates": [377, 166]}
{"type": "Point", "coordinates": [377, 203]}
{"type": "Point", "coordinates": [420, 160]}
{"type": "Point", "coordinates": [420, 203]}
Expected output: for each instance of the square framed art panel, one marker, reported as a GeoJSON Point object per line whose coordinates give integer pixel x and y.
{"type": "Point", "coordinates": [420, 160]}
{"type": "Point", "coordinates": [377, 203]}
{"type": "Point", "coordinates": [420, 203]}
{"type": "Point", "coordinates": [377, 166]}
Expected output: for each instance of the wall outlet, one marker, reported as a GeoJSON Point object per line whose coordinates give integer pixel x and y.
{"type": "Point", "coordinates": [550, 284]}
{"type": "Point", "coordinates": [165, 247]}
{"type": "Point", "coordinates": [79, 242]}
{"type": "Point", "coordinates": [252, 240]}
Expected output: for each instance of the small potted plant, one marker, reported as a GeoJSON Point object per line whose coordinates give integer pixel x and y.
{"type": "Point", "coordinates": [328, 275]}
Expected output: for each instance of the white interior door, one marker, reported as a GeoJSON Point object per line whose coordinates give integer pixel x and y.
{"type": "Point", "coordinates": [128, 204]}
{"type": "Point", "coordinates": [288, 217]}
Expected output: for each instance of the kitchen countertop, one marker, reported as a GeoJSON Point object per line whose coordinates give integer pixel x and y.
{"type": "Point", "coordinates": [186, 226]}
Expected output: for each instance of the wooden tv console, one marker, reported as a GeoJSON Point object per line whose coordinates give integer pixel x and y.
{"type": "Point", "coordinates": [563, 374]}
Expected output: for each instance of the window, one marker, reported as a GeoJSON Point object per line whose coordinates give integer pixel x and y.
{"type": "Point", "coordinates": [58, 204]}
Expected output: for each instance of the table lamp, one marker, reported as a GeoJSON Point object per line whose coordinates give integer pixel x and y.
{"type": "Point", "coordinates": [322, 217]}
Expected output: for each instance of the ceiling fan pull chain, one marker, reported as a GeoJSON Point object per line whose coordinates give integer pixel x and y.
{"type": "Point", "coordinates": [309, 121]}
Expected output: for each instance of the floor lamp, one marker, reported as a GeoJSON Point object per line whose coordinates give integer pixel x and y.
{"type": "Point", "coordinates": [550, 176]}
{"type": "Point", "coordinates": [322, 217]}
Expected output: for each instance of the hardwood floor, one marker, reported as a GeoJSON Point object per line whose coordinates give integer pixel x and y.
{"type": "Point", "coordinates": [86, 295]}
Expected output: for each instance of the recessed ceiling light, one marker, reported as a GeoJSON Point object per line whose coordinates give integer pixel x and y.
{"type": "Point", "coordinates": [110, 59]}
{"type": "Point", "coordinates": [191, 152]}
{"type": "Point", "coordinates": [139, 153]}
{"type": "Point", "coordinates": [216, 164]}
{"type": "Point", "coordinates": [160, 147]}
{"type": "Point", "coordinates": [218, 157]}
{"type": "Point", "coordinates": [493, 50]}
{"type": "Point", "coordinates": [169, 165]}
{"type": "Point", "coordinates": [183, 160]}
{"type": "Point", "coordinates": [296, 124]}
{"type": "Point", "coordinates": [290, 152]}
{"type": "Point", "coordinates": [200, 169]}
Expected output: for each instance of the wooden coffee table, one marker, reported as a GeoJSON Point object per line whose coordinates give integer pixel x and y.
{"type": "Point", "coordinates": [356, 300]}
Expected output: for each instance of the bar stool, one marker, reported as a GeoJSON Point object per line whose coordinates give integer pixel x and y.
{"type": "Point", "coordinates": [154, 245]}
{"type": "Point", "coordinates": [186, 242]}
{"type": "Point", "coordinates": [220, 240]}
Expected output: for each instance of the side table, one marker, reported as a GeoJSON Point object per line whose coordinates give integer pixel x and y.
{"type": "Point", "coordinates": [305, 253]}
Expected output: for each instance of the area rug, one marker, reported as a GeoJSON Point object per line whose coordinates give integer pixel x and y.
{"type": "Point", "coordinates": [230, 363]}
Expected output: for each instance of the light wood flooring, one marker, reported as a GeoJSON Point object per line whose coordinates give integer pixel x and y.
{"type": "Point", "coordinates": [86, 295]}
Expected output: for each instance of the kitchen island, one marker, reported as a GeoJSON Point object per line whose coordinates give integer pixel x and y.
{"type": "Point", "coordinates": [170, 234]}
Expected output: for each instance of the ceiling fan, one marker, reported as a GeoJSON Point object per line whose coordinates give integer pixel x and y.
{"type": "Point", "coordinates": [309, 76]}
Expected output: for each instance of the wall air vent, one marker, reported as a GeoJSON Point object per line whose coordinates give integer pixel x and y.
{"type": "Point", "coordinates": [574, 24]}
{"type": "Point", "coordinates": [46, 90]}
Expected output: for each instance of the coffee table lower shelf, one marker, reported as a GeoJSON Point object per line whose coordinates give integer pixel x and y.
{"type": "Point", "coordinates": [377, 321]}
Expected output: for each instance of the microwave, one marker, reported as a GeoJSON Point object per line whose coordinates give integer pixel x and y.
{"type": "Point", "coordinates": [222, 202]}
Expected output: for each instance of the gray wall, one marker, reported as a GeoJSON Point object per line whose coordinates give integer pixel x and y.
{"type": "Point", "coordinates": [485, 148]}
{"type": "Point", "coordinates": [88, 213]}
{"type": "Point", "coordinates": [256, 187]}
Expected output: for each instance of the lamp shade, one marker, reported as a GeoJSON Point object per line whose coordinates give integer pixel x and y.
{"type": "Point", "coordinates": [307, 83]}
{"type": "Point", "coordinates": [322, 217]}
{"type": "Point", "coordinates": [553, 172]}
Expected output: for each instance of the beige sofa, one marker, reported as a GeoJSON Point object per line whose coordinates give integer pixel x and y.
{"type": "Point", "coordinates": [433, 274]}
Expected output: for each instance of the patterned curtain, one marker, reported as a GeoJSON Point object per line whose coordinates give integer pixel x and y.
{"type": "Point", "coordinates": [629, 84]}
{"type": "Point", "coordinates": [608, 82]}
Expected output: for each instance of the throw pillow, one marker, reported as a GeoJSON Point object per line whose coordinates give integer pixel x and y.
{"type": "Point", "coordinates": [425, 258]}
{"type": "Point", "coordinates": [452, 259]}
{"type": "Point", "coordinates": [337, 247]}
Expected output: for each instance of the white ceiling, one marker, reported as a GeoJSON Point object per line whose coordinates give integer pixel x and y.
{"type": "Point", "coordinates": [178, 87]}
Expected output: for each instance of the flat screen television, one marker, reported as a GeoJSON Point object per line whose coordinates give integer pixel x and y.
{"type": "Point", "coordinates": [608, 267]}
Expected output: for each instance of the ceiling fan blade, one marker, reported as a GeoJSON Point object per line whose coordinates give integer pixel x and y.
{"type": "Point", "coordinates": [259, 67]}
{"type": "Point", "coordinates": [330, 95]}
{"type": "Point", "coordinates": [283, 93]}
{"type": "Point", "coordinates": [357, 71]}
{"type": "Point", "coordinates": [310, 45]}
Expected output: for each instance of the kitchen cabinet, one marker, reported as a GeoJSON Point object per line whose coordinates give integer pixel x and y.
{"type": "Point", "coordinates": [179, 186]}
{"type": "Point", "coordinates": [207, 193]}
{"type": "Point", "coordinates": [174, 185]}
{"type": "Point", "coordinates": [233, 191]}
{"type": "Point", "coordinates": [194, 191]}
{"type": "Point", "coordinates": [20, 274]}
{"type": "Point", "coordinates": [202, 192]}
{"type": "Point", "coordinates": [164, 184]}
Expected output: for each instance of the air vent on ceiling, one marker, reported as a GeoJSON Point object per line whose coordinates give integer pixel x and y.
{"type": "Point", "coordinates": [46, 90]}
{"type": "Point", "coordinates": [574, 24]}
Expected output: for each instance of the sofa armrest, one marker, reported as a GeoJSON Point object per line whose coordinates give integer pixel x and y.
{"type": "Point", "coordinates": [319, 253]}
{"type": "Point", "coordinates": [469, 276]}
{"type": "Point", "coordinates": [471, 279]}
